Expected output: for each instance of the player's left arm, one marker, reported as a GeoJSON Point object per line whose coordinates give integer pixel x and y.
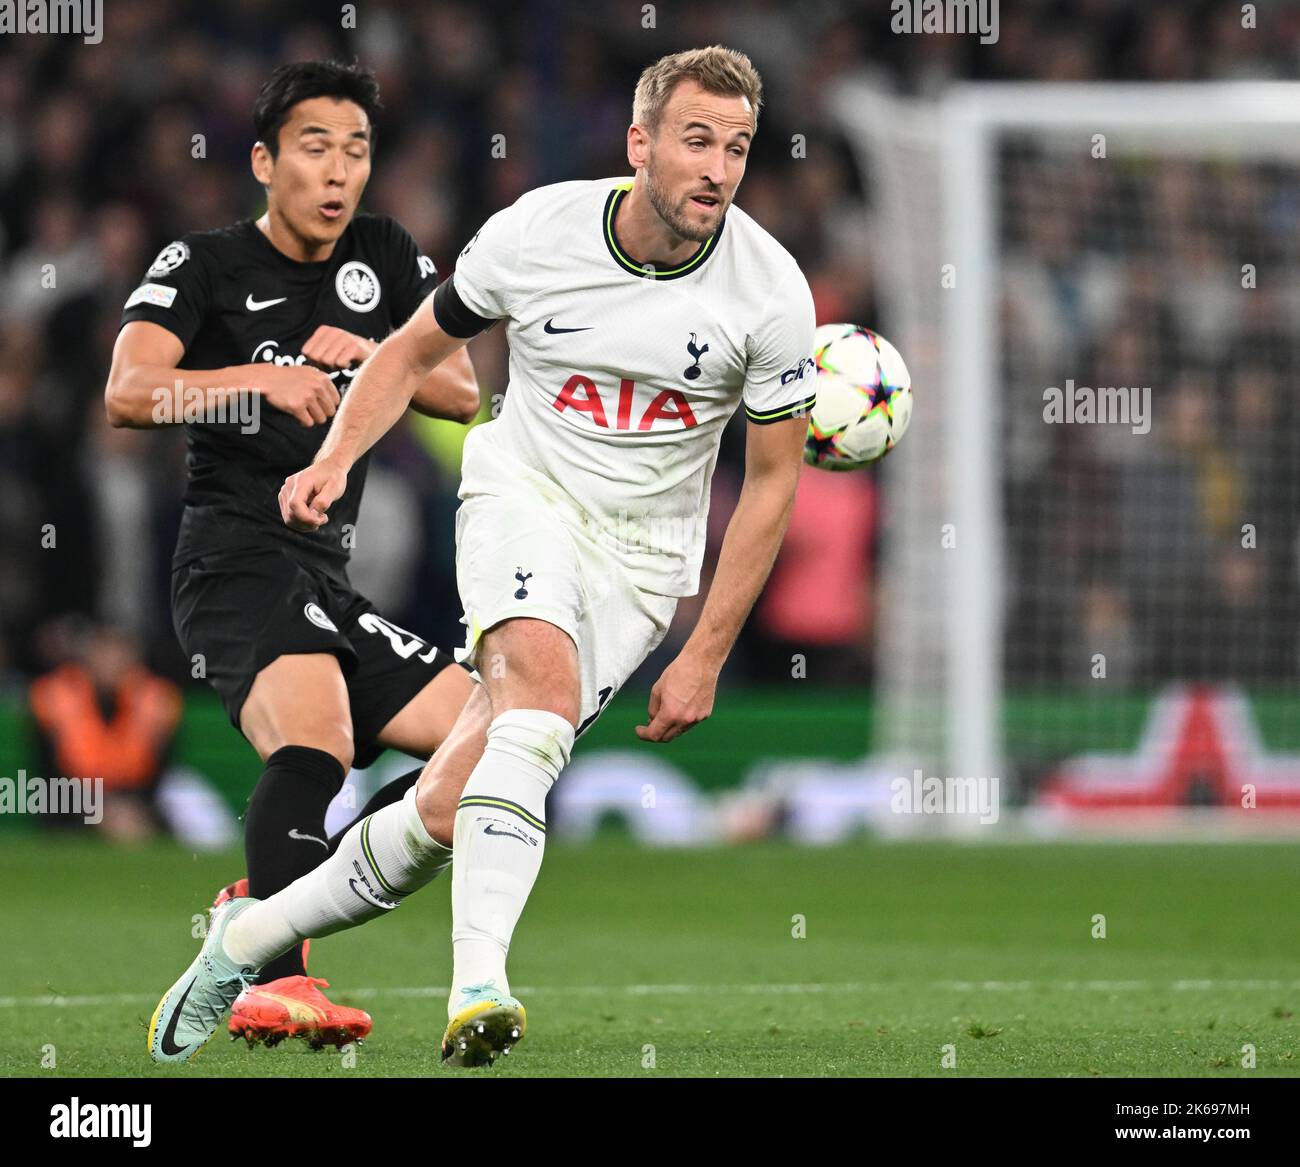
{"type": "Point", "coordinates": [683, 695]}
{"type": "Point", "coordinates": [778, 392]}
{"type": "Point", "coordinates": [450, 391]}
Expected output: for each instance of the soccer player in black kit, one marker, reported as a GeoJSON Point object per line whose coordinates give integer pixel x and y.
{"type": "Point", "coordinates": [284, 309]}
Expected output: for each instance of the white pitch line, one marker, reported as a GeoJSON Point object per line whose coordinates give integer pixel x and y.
{"type": "Point", "coordinates": [74, 1002]}
{"type": "Point", "coordinates": [666, 990]}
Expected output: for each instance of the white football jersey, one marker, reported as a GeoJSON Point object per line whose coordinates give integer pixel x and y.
{"type": "Point", "coordinates": [622, 377]}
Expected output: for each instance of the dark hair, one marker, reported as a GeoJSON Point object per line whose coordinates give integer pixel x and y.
{"type": "Point", "coordinates": [303, 80]}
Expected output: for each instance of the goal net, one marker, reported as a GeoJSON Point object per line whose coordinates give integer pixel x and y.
{"type": "Point", "coordinates": [1091, 529]}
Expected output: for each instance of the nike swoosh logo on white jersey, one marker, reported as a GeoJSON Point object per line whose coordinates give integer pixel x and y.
{"type": "Point", "coordinates": [257, 305]}
{"type": "Point", "coordinates": [295, 833]}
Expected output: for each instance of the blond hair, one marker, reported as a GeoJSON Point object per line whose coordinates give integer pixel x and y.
{"type": "Point", "coordinates": [716, 70]}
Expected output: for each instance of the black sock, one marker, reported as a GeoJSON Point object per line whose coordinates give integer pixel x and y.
{"type": "Point", "coordinates": [284, 830]}
{"type": "Point", "coordinates": [395, 791]}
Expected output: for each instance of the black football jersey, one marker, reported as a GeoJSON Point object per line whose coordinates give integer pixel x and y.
{"type": "Point", "coordinates": [233, 299]}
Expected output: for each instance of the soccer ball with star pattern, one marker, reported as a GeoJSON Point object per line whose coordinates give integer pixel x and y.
{"type": "Point", "coordinates": [864, 398]}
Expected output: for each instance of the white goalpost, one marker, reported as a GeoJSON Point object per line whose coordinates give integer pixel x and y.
{"type": "Point", "coordinates": [1023, 236]}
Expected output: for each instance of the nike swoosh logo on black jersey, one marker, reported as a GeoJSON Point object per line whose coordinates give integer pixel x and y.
{"type": "Point", "coordinates": [169, 1047]}
{"type": "Point", "coordinates": [257, 305]}
{"type": "Point", "coordinates": [295, 833]}
{"type": "Point", "coordinates": [548, 327]}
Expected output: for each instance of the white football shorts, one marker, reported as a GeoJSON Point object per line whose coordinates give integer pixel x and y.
{"type": "Point", "coordinates": [516, 557]}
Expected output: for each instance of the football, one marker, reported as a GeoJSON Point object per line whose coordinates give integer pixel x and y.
{"type": "Point", "coordinates": [864, 398]}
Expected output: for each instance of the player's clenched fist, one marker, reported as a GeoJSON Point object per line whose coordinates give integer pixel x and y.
{"type": "Point", "coordinates": [307, 495]}
{"type": "Point", "coordinates": [306, 393]}
{"type": "Point", "coordinates": [336, 348]}
{"type": "Point", "coordinates": [682, 697]}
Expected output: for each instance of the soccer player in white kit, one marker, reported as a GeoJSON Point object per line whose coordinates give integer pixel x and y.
{"type": "Point", "coordinates": [640, 314]}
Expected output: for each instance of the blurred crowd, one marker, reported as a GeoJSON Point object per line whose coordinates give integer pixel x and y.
{"type": "Point", "coordinates": [107, 152]}
{"type": "Point", "coordinates": [1174, 553]}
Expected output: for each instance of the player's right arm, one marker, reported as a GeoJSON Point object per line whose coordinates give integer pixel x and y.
{"type": "Point", "coordinates": [483, 289]}
{"type": "Point", "coordinates": [160, 320]}
{"type": "Point", "coordinates": [379, 396]}
{"type": "Point", "coordinates": [146, 389]}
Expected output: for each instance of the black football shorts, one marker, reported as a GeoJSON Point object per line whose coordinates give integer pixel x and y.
{"type": "Point", "coordinates": [240, 610]}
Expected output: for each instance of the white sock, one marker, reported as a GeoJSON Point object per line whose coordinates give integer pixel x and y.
{"type": "Point", "coordinates": [499, 839]}
{"type": "Point", "coordinates": [385, 857]}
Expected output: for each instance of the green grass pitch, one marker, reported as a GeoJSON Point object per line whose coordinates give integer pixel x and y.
{"type": "Point", "coordinates": [651, 963]}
